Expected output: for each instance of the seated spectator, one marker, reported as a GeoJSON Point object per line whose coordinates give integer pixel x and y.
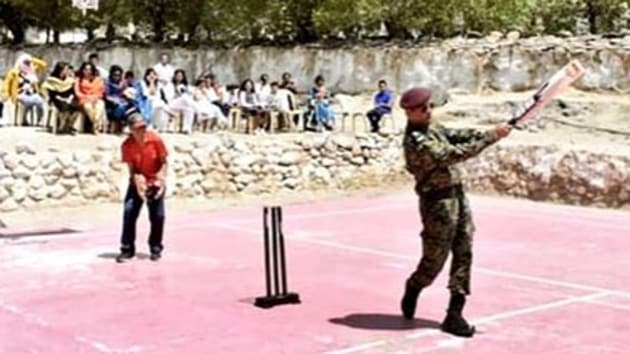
{"type": "Point", "coordinates": [60, 90]}
{"type": "Point", "coordinates": [287, 84]}
{"type": "Point", "coordinates": [250, 104]}
{"type": "Point", "coordinates": [164, 69]}
{"type": "Point", "coordinates": [90, 90]}
{"type": "Point", "coordinates": [94, 60]}
{"type": "Point", "coordinates": [131, 103]}
{"type": "Point", "coordinates": [320, 101]}
{"type": "Point", "coordinates": [205, 109]}
{"type": "Point", "coordinates": [216, 93]}
{"type": "Point", "coordinates": [280, 100]}
{"type": "Point", "coordinates": [232, 95]}
{"type": "Point", "coordinates": [129, 78]}
{"type": "Point", "coordinates": [152, 89]}
{"type": "Point", "coordinates": [21, 85]}
{"type": "Point", "coordinates": [115, 104]}
{"type": "Point", "coordinates": [263, 88]}
{"type": "Point", "coordinates": [383, 102]}
{"type": "Point", "coordinates": [179, 100]}
{"type": "Point", "coordinates": [141, 100]}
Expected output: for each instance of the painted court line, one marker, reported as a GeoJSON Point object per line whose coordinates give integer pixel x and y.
{"type": "Point", "coordinates": [316, 215]}
{"type": "Point", "coordinates": [104, 348]}
{"type": "Point", "coordinates": [610, 304]}
{"type": "Point", "coordinates": [193, 223]}
{"type": "Point", "coordinates": [239, 224]}
{"type": "Point", "coordinates": [371, 251]}
{"type": "Point", "coordinates": [527, 205]}
{"type": "Point", "coordinates": [235, 227]}
{"type": "Point", "coordinates": [182, 224]}
{"type": "Point", "coordinates": [478, 321]}
{"type": "Point", "coordinates": [573, 220]}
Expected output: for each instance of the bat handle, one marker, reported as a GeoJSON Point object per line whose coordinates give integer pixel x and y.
{"type": "Point", "coordinates": [513, 121]}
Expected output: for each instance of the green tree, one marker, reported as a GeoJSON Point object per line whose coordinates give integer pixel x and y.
{"type": "Point", "coordinates": [13, 16]}
{"type": "Point", "coordinates": [348, 16]}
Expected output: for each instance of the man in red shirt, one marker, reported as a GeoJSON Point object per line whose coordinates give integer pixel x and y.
{"type": "Point", "coordinates": [145, 154]}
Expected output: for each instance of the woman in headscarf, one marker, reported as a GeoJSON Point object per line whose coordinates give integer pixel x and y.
{"type": "Point", "coordinates": [21, 85]}
{"type": "Point", "coordinates": [59, 87]}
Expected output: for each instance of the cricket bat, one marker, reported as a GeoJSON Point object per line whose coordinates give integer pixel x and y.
{"type": "Point", "coordinates": [550, 89]}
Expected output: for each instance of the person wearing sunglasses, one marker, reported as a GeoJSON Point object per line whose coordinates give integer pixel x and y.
{"type": "Point", "coordinates": [432, 152]}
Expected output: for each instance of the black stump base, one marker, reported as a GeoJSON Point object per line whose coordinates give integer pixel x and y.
{"type": "Point", "coordinates": [275, 300]}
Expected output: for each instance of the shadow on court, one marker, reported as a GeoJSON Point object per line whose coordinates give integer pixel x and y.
{"type": "Point", "coordinates": [376, 321]}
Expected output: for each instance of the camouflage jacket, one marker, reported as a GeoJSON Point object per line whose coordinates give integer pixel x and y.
{"type": "Point", "coordinates": [431, 155]}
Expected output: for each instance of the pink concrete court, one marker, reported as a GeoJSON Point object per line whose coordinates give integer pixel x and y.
{"type": "Point", "coordinates": [547, 279]}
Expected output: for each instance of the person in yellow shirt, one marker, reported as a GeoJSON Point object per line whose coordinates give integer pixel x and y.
{"type": "Point", "coordinates": [21, 85]}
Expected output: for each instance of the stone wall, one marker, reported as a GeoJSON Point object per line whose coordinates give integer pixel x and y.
{"type": "Point", "coordinates": [503, 64]}
{"type": "Point", "coordinates": [224, 165]}
{"type": "Point", "coordinates": [552, 173]}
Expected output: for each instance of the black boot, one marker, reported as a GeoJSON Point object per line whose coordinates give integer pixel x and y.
{"type": "Point", "coordinates": [409, 301]}
{"type": "Point", "coordinates": [454, 323]}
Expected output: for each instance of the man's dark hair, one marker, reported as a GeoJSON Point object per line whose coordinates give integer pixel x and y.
{"type": "Point", "coordinates": [93, 56]}
{"type": "Point", "coordinates": [382, 82]}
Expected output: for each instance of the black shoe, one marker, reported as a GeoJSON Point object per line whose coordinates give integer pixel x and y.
{"type": "Point", "coordinates": [456, 324]}
{"type": "Point", "coordinates": [155, 256]}
{"type": "Point", "coordinates": [124, 256]}
{"type": "Point", "coordinates": [409, 302]}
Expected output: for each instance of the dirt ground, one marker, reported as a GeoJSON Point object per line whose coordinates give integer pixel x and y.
{"type": "Point", "coordinates": [579, 120]}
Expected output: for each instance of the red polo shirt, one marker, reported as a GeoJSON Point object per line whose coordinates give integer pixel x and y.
{"type": "Point", "coordinates": [148, 158]}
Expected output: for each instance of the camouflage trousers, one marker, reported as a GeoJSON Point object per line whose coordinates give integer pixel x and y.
{"type": "Point", "coordinates": [447, 227]}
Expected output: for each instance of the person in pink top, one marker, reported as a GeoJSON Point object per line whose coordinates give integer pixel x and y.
{"type": "Point", "coordinates": [90, 89]}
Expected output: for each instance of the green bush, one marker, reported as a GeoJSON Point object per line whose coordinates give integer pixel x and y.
{"type": "Point", "coordinates": [230, 22]}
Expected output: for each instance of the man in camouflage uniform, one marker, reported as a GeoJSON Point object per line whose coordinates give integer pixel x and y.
{"type": "Point", "coordinates": [431, 153]}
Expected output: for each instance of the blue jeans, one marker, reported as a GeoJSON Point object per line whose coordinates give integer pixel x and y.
{"type": "Point", "coordinates": [375, 115]}
{"type": "Point", "coordinates": [33, 101]}
{"type": "Point", "coordinates": [132, 206]}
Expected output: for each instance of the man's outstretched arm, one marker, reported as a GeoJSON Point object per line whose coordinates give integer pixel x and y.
{"type": "Point", "coordinates": [439, 154]}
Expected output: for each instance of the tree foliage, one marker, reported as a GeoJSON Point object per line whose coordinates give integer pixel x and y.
{"type": "Point", "coordinates": [236, 22]}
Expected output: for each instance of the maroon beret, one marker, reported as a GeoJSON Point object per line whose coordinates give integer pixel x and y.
{"type": "Point", "coordinates": [415, 97]}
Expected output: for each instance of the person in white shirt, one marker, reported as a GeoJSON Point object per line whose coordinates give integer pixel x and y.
{"type": "Point", "coordinates": [232, 92]}
{"type": "Point", "coordinates": [179, 99]}
{"type": "Point", "coordinates": [217, 94]}
{"type": "Point", "coordinates": [263, 88]}
{"type": "Point", "coordinates": [205, 109]}
{"type": "Point", "coordinates": [280, 100]}
{"type": "Point", "coordinates": [165, 71]}
{"type": "Point", "coordinates": [251, 105]}
{"type": "Point", "coordinates": [152, 88]}
{"type": "Point", "coordinates": [208, 90]}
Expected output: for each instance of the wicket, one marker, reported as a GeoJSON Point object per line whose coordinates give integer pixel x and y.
{"type": "Point", "coordinates": [276, 263]}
